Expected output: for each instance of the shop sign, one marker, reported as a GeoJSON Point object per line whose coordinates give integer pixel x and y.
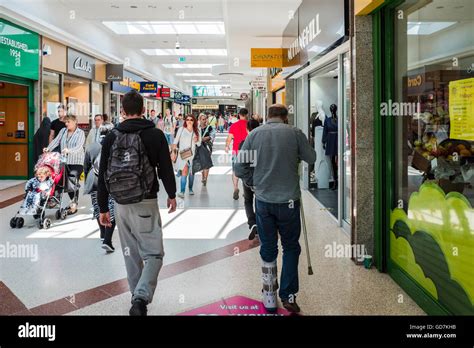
{"type": "Point", "coordinates": [184, 99]}
{"type": "Point", "coordinates": [129, 82]}
{"type": "Point", "coordinates": [177, 96]}
{"type": "Point", "coordinates": [194, 101]}
{"type": "Point", "coordinates": [148, 87]}
{"type": "Point", "coordinates": [244, 96]}
{"type": "Point", "coordinates": [267, 58]}
{"type": "Point", "coordinates": [80, 64]}
{"type": "Point", "coordinates": [461, 109]}
{"type": "Point", "coordinates": [316, 28]}
{"type": "Point", "coordinates": [258, 84]}
{"type": "Point", "coordinates": [205, 107]}
{"type": "Point", "coordinates": [114, 72]}
{"type": "Point", "coordinates": [19, 51]}
{"type": "Point", "coordinates": [165, 92]}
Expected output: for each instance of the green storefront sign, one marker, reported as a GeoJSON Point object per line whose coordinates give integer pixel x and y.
{"type": "Point", "coordinates": [19, 51]}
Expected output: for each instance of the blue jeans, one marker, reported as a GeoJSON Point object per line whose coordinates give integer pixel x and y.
{"type": "Point", "coordinates": [283, 218]}
{"type": "Point", "coordinates": [169, 138]}
{"type": "Point", "coordinates": [183, 182]}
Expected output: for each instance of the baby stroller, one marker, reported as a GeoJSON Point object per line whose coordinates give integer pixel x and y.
{"type": "Point", "coordinates": [52, 198]}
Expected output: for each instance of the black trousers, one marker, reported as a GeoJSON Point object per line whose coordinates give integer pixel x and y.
{"type": "Point", "coordinates": [74, 173]}
{"type": "Point", "coordinates": [249, 206]}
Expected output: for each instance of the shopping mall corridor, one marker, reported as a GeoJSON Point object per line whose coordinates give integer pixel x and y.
{"type": "Point", "coordinates": [208, 258]}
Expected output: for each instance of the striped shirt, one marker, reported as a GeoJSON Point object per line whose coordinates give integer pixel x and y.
{"type": "Point", "coordinates": [74, 143]}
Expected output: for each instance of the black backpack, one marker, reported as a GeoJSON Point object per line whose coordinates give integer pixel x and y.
{"type": "Point", "coordinates": [129, 176]}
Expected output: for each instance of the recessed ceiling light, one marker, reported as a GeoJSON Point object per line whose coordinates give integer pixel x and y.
{"type": "Point", "coordinates": [194, 74]}
{"type": "Point", "coordinates": [458, 7]}
{"type": "Point", "coordinates": [166, 27]}
{"type": "Point", "coordinates": [151, 6]}
{"type": "Point", "coordinates": [188, 66]}
{"type": "Point", "coordinates": [186, 52]}
{"type": "Point", "coordinates": [115, 6]}
{"type": "Point", "coordinates": [133, 6]}
{"type": "Point", "coordinates": [439, 7]}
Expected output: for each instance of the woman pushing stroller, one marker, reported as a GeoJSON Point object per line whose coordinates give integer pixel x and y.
{"type": "Point", "coordinates": [71, 144]}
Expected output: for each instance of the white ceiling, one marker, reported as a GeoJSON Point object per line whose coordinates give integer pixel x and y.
{"type": "Point", "coordinates": [248, 23]}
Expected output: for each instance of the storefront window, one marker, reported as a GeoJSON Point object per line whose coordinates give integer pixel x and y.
{"type": "Point", "coordinates": [97, 98]}
{"type": "Point", "coordinates": [76, 98]}
{"type": "Point", "coordinates": [432, 225]}
{"type": "Point", "coordinates": [346, 141]}
{"type": "Point", "coordinates": [51, 94]}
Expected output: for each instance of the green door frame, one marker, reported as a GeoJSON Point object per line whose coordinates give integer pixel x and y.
{"type": "Point", "coordinates": [384, 82]}
{"type": "Point", "coordinates": [31, 121]}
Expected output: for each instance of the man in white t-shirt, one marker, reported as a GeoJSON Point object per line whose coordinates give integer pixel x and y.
{"type": "Point", "coordinates": [169, 126]}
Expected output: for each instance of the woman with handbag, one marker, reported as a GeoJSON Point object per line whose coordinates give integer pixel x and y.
{"type": "Point", "coordinates": [183, 151]}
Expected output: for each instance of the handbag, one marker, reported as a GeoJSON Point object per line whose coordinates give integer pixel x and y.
{"type": "Point", "coordinates": [188, 152]}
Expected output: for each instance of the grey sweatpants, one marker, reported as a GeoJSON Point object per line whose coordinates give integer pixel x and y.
{"type": "Point", "coordinates": [139, 227]}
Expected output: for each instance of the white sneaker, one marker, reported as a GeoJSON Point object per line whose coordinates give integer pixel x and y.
{"type": "Point", "coordinates": [191, 192]}
{"type": "Point", "coordinates": [181, 194]}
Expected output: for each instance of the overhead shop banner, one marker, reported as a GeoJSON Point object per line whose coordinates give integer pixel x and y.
{"type": "Point", "coordinates": [148, 87]}
{"type": "Point", "coordinates": [316, 28]}
{"type": "Point", "coordinates": [268, 58]}
{"type": "Point", "coordinates": [114, 72]}
{"type": "Point", "coordinates": [461, 109]}
{"type": "Point", "coordinates": [19, 51]}
{"type": "Point", "coordinates": [130, 82]}
{"type": "Point", "coordinates": [80, 64]}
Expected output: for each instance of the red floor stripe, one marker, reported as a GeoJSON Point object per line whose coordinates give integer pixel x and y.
{"type": "Point", "coordinates": [118, 287]}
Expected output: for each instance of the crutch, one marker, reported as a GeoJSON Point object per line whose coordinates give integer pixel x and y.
{"type": "Point", "coordinates": [305, 234]}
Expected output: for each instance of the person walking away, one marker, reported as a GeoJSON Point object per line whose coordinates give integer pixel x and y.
{"type": "Point", "coordinates": [248, 193]}
{"type": "Point", "coordinates": [91, 168]}
{"type": "Point", "coordinates": [169, 126]}
{"type": "Point", "coordinates": [131, 154]}
{"type": "Point", "coordinates": [237, 133]}
{"type": "Point", "coordinates": [94, 134]}
{"type": "Point", "coordinates": [183, 151]}
{"type": "Point", "coordinates": [160, 124]}
{"type": "Point", "coordinates": [70, 141]}
{"type": "Point", "coordinates": [57, 125]}
{"type": "Point", "coordinates": [208, 134]}
{"type": "Point", "coordinates": [212, 121]}
{"type": "Point", "coordinates": [275, 177]}
{"type": "Point", "coordinates": [41, 138]}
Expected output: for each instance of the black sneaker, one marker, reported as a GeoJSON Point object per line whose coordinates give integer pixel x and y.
{"type": "Point", "coordinates": [291, 307]}
{"type": "Point", "coordinates": [138, 308]}
{"type": "Point", "coordinates": [108, 247]}
{"type": "Point", "coordinates": [253, 232]}
{"type": "Point", "coordinates": [236, 194]}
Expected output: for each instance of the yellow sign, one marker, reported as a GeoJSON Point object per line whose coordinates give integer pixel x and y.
{"type": "Point", "coordinates": [205, 107]}
{"type": "Point", "coordinates": [461, 109]}
{"type": "Point", "coordinates": [365, 7]}
{"type": "Point", "coordinates": [415, 81]}
{"type": "Point", "coordinates": [267, 57]}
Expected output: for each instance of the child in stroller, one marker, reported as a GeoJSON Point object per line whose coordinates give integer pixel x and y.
{"type": "Point", "coordinates": [43, 191]}
{"type": "Point", "coordinates": [37, 189]}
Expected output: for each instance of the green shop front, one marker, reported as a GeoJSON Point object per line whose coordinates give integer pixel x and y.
{"type": "Point", "coordinates": [19, 69]}
{"type": "Point", "coordinates": [424, 117]}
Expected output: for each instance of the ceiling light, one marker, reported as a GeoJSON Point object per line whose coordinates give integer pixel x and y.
{"type": "Point", "coordinates": [165, 27]}
{"type": "Point", "coordinates": [188, 66]}
{"type": "Point", "coordinates": [194, 74]}
{"type": "Point", "coordinates": [185, 52]}
{"type": "Point", "coordinates": [115, 6]}
{"type": "Point", "coordinates": [427, 28]}
{"type": "Point", "coordinates": [133, 6]}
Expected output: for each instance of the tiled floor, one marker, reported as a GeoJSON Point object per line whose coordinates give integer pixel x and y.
{"type": "Point", "coordinates": [208, 258]}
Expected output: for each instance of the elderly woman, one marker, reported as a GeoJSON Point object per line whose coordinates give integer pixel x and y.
{"type": "Point", "coordinates": [71, 144]}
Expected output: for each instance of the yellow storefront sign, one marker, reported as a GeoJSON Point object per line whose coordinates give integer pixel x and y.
{"type": "Point", "coordinates": [267, 58]}
{"type": "Point", "coordinates": [365, 7]}
{"type": "Point", "coordinates": [461, 109]}
{"type": "Point", "coordinates": [205, 107]}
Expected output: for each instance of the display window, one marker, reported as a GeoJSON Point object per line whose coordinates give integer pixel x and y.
{"type": "Point", "coordinates": [97, 98]}
{"type": "Point", "coordinates": [51, 94]}
{"type": "Point", "coordinates": [77, 97]}
{"type": "Point", "coordinates": [431, 237]}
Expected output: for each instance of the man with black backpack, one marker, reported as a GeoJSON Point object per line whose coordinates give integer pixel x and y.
{"type": "Point", "coordinates": [131, 155]}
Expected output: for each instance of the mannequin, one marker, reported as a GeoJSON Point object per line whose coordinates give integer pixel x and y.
{"type": "Point", "coordinates": [323, 164]}
{"type": "Point", "coordinates": [330, 140]}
